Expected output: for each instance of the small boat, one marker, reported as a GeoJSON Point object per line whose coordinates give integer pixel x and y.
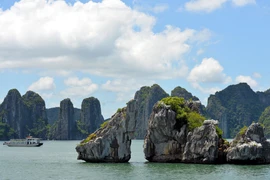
{"type": "Point", "coordinates": [29, 141]}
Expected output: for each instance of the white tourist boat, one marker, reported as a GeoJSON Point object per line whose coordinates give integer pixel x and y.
{"type": "Point", "coordinates": [27, 142]}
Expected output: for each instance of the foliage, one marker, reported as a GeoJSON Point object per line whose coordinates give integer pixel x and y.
{"type": "Point", "coordinates": [39, 129]}
{"type": "Point", "coordinates": [81, 127]}
{"type": "Point", "coordinates": [194, 120]}
{"type": "Point", "coordinates": [219, 132]}
{"type": "Point", "coordinates": [6, 132]}
{"type": "Point", "coordinates": [237, 106]}
{"type": "Point", "coordinates": [265, 121]}
{"type": "Point", "coordinates": [89, 138]}
{"type": "Point", "coordinates": [104, 124]}
{"type": "Point", "coordinates": [119, 110]}
{"type": "Point", "coordinates": [32, 100]}
{"type": "Point", "coordinates": [243, 130]}
{"type": "Point", "coordinates": [183, 114]}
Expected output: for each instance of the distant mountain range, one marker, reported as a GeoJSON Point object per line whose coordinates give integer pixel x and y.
{"type": "Point", "coordinates": [235, 106]}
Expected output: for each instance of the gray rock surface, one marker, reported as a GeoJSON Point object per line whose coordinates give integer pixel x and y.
{"type": "Point", "coordinates": [112, 142]}
{"type": "Point", "coordinates": [167, 141]}
{"type": "Point", "coordinates": [163, 142]}
{"type": "Point", "coordinates": [202, 144]}
{"type": "Point", "coordinates": [65, 124]}
{"type": "Point", "coordinates": [250, 147]}
{"type": "Point", "coordinates": [146, 98]}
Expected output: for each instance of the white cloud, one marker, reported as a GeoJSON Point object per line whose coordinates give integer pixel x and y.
{"type": "Point", "coordinates": [60, 37]}
{"type": "Point", "coordinates": [257, 75]}
{"type": "Point", "coordinates": [247, 79]}
{"type": "Point", "coordinates": [204, 5]}
{"type": "Point", "coordinates": [200, 51]}
{"type": "Point", "coordinates": [79, 88]}
{"type": "Point", "coordinates": [210, 6]}
{"type": "Point", "coordinates": [160, 8]}
{"type": "Point", "coordinates": [243, 2]}
{"type": "Point", "coordinates": [125, 88]}
{"type": "Point", "coordinates": [209, 71]}
{"type": "Point", "coordinates": [43, 84]}
{"type": "Point", "coordinates": [202, 36]}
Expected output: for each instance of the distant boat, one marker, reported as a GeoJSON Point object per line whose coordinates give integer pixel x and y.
{"type": "Point", "coordinates": [29, 141]}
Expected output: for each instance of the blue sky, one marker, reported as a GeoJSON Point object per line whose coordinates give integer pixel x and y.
{"type": "Point", "coordinates": [109, 49]}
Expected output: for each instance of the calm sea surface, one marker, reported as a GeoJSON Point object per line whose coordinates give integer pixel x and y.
{"type": "Point", "coordinates": [58, 160]}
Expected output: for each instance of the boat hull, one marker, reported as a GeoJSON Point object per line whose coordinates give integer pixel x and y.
{"type": "Point", "coordinates": [24, 145]}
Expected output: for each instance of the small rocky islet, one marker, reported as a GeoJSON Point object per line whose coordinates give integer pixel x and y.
{"type": "Point", "coordinates": [176, 133]}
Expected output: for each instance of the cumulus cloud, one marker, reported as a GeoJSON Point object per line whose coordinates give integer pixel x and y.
{"type": "Point", "coordinates": [78, 87]}
{"type": "Point", "coordinates": [53, 35]}
{"type": "Point", "coordinates": [43, 84]}
{"type": "Point", "coordinates": [204, 5]}
{"type": "Point", "coordinates": [243, 2]}
{"type": "Point", "coordinates": [247, 79]}
{"type": "Point", "coordinates": [208, 72]}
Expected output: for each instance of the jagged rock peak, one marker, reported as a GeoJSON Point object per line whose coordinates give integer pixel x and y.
{"type": "Point", "coordinates": [66, 122]}
{"type": "Point", "coordinates": [31, 98]}
{"type": "Point", "coordinates": [146, 98]}
{"type": "Point", "coordinates": [111, 142]}
{"type": "Point", "coordinates": [235, 106]}
{"type": "Point", "coordinates": [91, 117]}
{"type": "Point", "coordinates": [182, 92]}
{"type": "Point", "coordinates": [173, 137]}
{"type": "Point", "coordinates": [24, 115]}
{"type": "Point", "coordinates": [249, 147]}
{"type": "Point", "coordinates": [12, 94]}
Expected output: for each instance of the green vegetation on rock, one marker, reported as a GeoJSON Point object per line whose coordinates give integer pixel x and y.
{"type": "Point", "coordinates": [243, 130]}
{"type": "Point", "coordinates": [219, 132]}
{"type": "Point", "coordinates": [89, 138]}
{"type": "Point", "coordinates": [183, 113]}
{"type": "Point", "coordinates": [235, 107]}
{"type": "Point", "coordinates": [39, 129]}
{"type": "Point", "coordinates": [104, 124]}
{"type": "Point", "coordinates": [6, 132]}
{"type": "Point", "coordinates": [81, 127]}
{"type": "Point", "coordinates": [265, 121]}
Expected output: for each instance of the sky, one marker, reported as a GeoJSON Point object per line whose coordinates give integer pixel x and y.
{"type": "Point", "coordinates": [109, 49]}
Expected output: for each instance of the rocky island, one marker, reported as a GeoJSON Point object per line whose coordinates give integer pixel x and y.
{"type": "Point", "coordinates": [112, 141]}
{"type": "Point", "coordinates": [176, 133]}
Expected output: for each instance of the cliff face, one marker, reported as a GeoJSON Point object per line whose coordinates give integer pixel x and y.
{"type": "Point", "coordinates": [65, 127]}
{"type": "Point", "coordinates": [36, 112]}
{"type": "Point", "coordinates": [236, 106]}
{"type": "Point", "coordinates": [146, 98]}
{"type": "Point", "coordinates": [90, 116]}
{"type": "Point", "coordinates": [182, 92]}
{"type": "Point", "coordinates": [111, 142]}
{"type": "Point", "coordinates": [72, 123]}
{"type": "Point", "coordinates": [52, 115]}
{"type": "Point", "coordinates": [12, 112]}
{"type": "Point", "coordinates": [24, 115]}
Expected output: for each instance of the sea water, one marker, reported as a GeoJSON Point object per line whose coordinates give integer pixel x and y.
{"type": "Point", "coordinates": [58, 160]}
